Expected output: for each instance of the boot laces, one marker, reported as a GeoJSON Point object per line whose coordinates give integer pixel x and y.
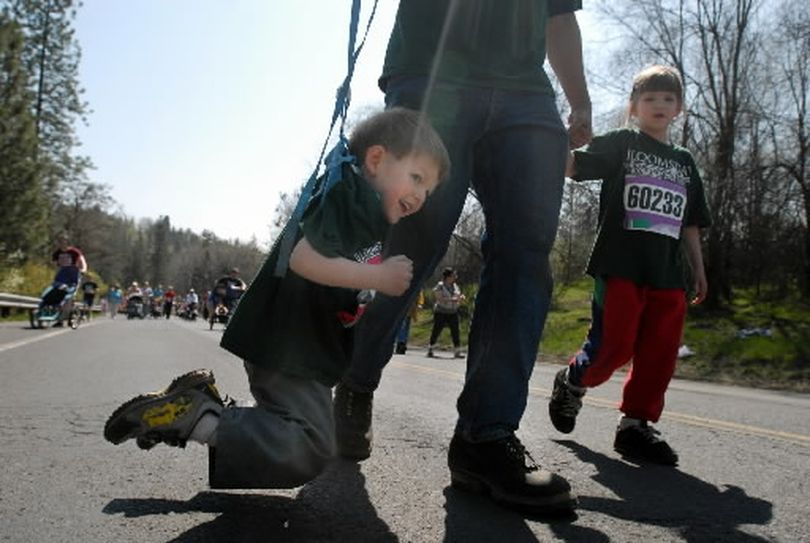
{"type": "Point", "coordinates": [648, 432]}
{"type": "Point", "coordinates": [568, 402]}
{"type": "Point", "coordinates": [517, 452]}
{"type": "Point", "coordinates": [358, 402]}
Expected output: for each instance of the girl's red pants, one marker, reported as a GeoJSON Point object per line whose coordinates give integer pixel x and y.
{"type": "Point", "coordinates": [638, 323]}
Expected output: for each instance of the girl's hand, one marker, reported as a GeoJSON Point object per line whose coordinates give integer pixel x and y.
{"type": "Point", "coordinates": [701, 288]}
{"type": "Point", "coordinates": [396, 274]}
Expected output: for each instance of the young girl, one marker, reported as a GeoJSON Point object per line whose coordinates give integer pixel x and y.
{"type": "Point", "coordinates": [651, 209]}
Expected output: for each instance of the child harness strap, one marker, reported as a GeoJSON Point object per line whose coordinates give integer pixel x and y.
{"type": "Point", "coordinates": [337, 156]}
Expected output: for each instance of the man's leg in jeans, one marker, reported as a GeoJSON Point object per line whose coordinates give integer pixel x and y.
{"type": "Point", "coordinates": [423, 237]}
{"type": "Point", "coordinates": [518, 176]}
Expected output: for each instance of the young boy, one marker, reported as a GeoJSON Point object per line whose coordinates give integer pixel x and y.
{"type": "Point", "coordinates": [295, 332]}
{"type": "Point", "coordinates": [652, 206]}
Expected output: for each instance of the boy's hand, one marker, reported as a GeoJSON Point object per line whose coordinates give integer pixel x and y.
{"type": "Point", "coordinates": [396, 275]}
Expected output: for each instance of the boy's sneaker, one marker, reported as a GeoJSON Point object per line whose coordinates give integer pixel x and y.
{"type": "Point", "coordinates": [353, 431]}
{"type": "Point", "coordinates": [565, 403]}
{"type": "Point", "coordinates": [167, 416]}
{"type": "Point", "coordinates": [640, 441]}
{"type": "Point", "coordinates": [504, 470]}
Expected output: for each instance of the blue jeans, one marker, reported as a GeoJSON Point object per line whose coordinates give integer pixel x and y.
{"type": "Point", "coordinates": [511, 148]}
{"type": "Point", "coordinates": [404, 330]}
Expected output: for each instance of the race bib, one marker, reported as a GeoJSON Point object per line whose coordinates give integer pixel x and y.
{"type": "Point", "coordinates": [654, 205]}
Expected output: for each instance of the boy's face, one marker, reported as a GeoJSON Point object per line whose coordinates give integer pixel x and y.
{"type": "Point", "coordinates": [403, 183]}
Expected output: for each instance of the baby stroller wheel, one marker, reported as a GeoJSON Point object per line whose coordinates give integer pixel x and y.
{"type": "Point", "coordinates": [73, 319]}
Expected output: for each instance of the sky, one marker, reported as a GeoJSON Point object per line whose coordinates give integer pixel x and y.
{"type": "Point", "coordinates": [207, 110]}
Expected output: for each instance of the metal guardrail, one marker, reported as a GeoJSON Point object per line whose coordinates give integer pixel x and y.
{"type": "Point", "coordinates": [15, 300]}
{"type": "Point", "coordinates": [26, 302]}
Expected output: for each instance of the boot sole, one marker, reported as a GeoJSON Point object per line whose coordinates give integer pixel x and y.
{"type": "Point", "coordinates": [119, 427]}
{"type": "Point", "coordinates": [558, 504]}
{"type": "Point", "coordinates": [635, 456]}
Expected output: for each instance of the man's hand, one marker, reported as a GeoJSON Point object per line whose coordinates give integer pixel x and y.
{"type": "Point", "coordinates": [579, 127]}
{"type": "Point", "coordinates": [396, 274]}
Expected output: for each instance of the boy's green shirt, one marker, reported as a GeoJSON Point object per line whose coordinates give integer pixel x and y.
{"type": "Point", "coordinates": [650, 191]}
{"type": "Point", "coordinates": [294, 325]}
{"type": "Point", "coordinates": [489, 43]}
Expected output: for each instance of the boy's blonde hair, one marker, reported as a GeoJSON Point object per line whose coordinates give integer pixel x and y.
{"type": "Point", "coordinates": [402, 132]}
{"type": "Point", "coordinates": [657, 78]}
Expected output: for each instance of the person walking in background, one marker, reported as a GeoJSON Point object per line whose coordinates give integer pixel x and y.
{"type": "Point", "coordinates": [114, 298]}
{"type": "Point", "coordinates": [652, 206]}
{"type": "Point", "coordinates": [192, 303]}
{"type": "Point", "coordinates": [448, 299]}
{"type": "Point", "coordinates": [405, 330]}
{"type": "Point", "coordinates": [294, 332]}
{"type": "Point", "coordinates": [89, 288]}
{"type": "Point", "coordinates": [476, 69]}
{"type": "Point", "coordinates": [168, 301]}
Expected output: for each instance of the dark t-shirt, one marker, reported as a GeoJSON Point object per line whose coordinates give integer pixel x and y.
{"type": "Point", "coordinates": [89, 288]}
{"type": "Point", "coordinates": [299, 327]}
{"type": "Point", "coordinates": [489, 43]}
{"type": "Point", "coordinates": [650, 191]}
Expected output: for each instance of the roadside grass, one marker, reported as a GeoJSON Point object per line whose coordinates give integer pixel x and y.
{"type": "Point", "coordinates": [755, 342]}
{"type": "Point", "coordinates": [15, 315]}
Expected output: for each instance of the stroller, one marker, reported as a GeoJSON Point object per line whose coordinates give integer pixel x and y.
{"type": "Point", "coordinates": [135, 308]}
{"type": "Point", "coordinates": [223, 301]}
{"type": "Point", "coordinates": [56, 306]}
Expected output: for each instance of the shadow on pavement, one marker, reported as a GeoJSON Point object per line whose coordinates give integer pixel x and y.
{"type": "Point", "coordinates": [666, 497]}
{"type": "Point", "coordinates": [472, 517]}
{"type": "Point", "coordinates": [334, 507]}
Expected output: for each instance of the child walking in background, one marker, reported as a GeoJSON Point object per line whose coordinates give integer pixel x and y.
{"type": "Point", "coordinates": [652, 206]}
{"type": "Point", "coordinates": [295, 332]}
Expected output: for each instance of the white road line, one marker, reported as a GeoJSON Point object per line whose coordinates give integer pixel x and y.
{"type": "Point", "coordinates": [46, 335]}
{"type": "Point", "coordinates": [683, 418]}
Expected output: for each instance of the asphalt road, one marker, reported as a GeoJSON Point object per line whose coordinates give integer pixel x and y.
{"type": "Point", "coordinates": [744, 473]}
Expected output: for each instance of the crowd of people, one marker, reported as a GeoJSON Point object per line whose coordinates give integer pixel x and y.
{"type": "Point", "coordinates": [139, 299]}
{"type": "Point", "coordinates": [463, 88]}
{"type": "Point", "coordinates": [160, 302]}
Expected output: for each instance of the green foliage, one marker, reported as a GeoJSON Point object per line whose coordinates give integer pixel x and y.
{"type": "Point", "coordinates": [23, 228]}
{"type": "Point", "coordinates": [779, 360]}
{"type": "Point", "coordinates": [568, 320]}
{"type": "Point", "coordinates": [27, 280]}
{"type": "Point", "coordinates": [40, 103]}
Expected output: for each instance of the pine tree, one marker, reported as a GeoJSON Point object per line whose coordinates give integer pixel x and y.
{"type": "Point", "coordinates": [23, 227]}
{"type": "Point", "coordinates": [51, 57]}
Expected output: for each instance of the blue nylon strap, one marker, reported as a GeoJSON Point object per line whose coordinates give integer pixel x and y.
{"type": "Point", "coordinates": [340, 152]}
